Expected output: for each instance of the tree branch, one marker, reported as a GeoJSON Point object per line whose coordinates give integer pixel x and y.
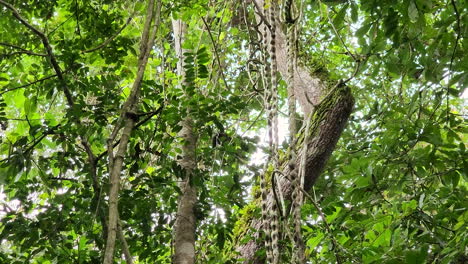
{"type": "Point", "coordinates": [140, 123]}
{"type": "Point", "coordinates": [45, 42]}
{"type": "Point", "coordinates": [124, 245]}
{"type": "Point", "coordinates": [28, 84]}
{"type": "Point", "coordinates": [22, 50]}
{"type": "Point", "coordinates": [326, 125]}
{"type": "Point", "coordinates": [128, 123]}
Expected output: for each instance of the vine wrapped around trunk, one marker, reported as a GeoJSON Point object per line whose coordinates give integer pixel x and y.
{"type": "Point", "coordinates": [326, 125]}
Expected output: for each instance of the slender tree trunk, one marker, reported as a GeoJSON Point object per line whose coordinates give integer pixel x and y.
{"type": "Point", "coordinates": [127, 121]}
{"type": "Point", "coordinates": [184, 229]}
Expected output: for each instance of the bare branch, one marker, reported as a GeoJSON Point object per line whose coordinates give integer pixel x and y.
{"type": "Point", "coordinates": [127, 122]}
{"type": "Point", "coordinates": [124, 245]}
{"type": "Point", "coordinates": [63, 179]}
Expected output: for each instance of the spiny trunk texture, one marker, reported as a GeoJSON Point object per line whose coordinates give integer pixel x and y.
{"type": "Point", "coordinates": [184, 229]}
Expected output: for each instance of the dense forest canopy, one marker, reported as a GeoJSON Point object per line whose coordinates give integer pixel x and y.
{"type": "Point", "coordinates": [145, 131]}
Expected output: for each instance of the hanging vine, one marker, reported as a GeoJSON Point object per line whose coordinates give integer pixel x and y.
{"type": "Point", "coordinates": [270, 217]}
{"type": "Point", "coordinates": [296, 174]}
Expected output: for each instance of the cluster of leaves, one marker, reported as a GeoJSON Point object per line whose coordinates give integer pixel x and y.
{"type": "Point", "coordinates": [395, 189]}
{"type": "Point", "coordinates": [51, 211]}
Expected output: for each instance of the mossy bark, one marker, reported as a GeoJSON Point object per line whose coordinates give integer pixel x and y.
{"type": "Point", "coordinates": [326, 125]}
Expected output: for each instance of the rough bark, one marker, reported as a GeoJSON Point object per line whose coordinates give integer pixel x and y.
{"type": "Point", "coordinates": [327, 124]}
{"type": "Point", "coordinates": [330, 113]}
{"type": "Point", "coordinates": [184, 228]}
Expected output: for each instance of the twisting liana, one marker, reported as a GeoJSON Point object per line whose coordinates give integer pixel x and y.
{"type": "Point", "coordinates": [270, 217]}
{"type": "Point", "coordinates": [298, 255]}
{"type": "Point", "coordinates": [273, 115]}
{"type": "Point", "coordinates": [266, 74]}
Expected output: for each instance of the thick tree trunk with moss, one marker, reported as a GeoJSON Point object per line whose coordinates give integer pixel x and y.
{"type": "Point", "coordinates": [328, 110]}
{"type": "Point", "coordinates": [184, 228]}
{"type": "Point", "coordinates": [326, 125]}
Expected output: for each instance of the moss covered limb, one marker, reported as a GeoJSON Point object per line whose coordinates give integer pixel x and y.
{"type": "Point", "coordinates": [326, 125]}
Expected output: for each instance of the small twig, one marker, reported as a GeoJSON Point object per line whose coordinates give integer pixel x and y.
{"type": "Point", "coordinates": [457, 14]}
{"type": "Point", "coordinates": [340, 38]}
{"type": "Point", "coordinates": [28, 84]}
{"type": "Point", "coordinates": [57, 27]}
{"type": "Point", "coordinates": [356, 70]}
{"type": "Point", "coordinates": [216, 52]}
{"type": "Point", "coordinates": [63, 179]}
{"type": "Point", "coordinates": [327, 226]}
{"type": "Point", "coordinates": [253, 122]}
{"type": "Point", "coordinates": [35, 142]}
{"type": "Point", "coordinates": [7, 208]}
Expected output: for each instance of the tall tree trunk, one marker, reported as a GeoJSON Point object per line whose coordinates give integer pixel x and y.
{"type": "Point", "coordinates": [328, 117]}
{"type": "Point", "coordinates": [184, 229]}
{"type": "Point", "coordinates": [126, 123]}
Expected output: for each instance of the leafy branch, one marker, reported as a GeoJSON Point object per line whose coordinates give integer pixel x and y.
{"type": "Point", "coordinates": [48, 47]}
{"type": "Point", "coordinates": [22, 50]}
{"type": "Point", "coordinates": [35, 142]}
{"type": "Point", "coordinates": [140, 123]}
{"type": "Point", "coordinates": [216, 52]}
{"type": "Point", "coordinates": [28, 84]}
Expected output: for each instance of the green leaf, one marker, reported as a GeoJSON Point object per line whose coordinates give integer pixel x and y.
{"type": "Point", "coordinates": [413, 12]}
{"type": "Point", "coordinates": [335, 214]}
{"type": "Point", "coordinates": [339, 18]}
{"type": "Point", "coordinates": [421, 200]}
{"type": "Point", "coordinates": [416, 256]}
{"type": "Point", "coordinates": [354, 12]}
{"type": "Point", "coordinates": [409, 207]}
{"type": "Point", "coordinates": [363, 30]}
{"type": "Point", "coordinates": [313, 242]}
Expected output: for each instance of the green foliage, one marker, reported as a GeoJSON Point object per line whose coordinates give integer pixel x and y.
{"type": "Point", "coordinates": [394, 191]}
